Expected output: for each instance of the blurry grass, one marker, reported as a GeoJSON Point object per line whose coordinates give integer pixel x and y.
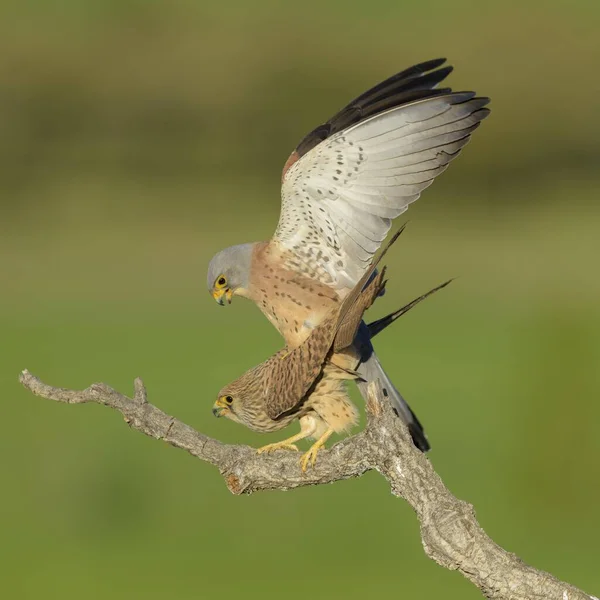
{"type": "Point", "coordinates": [191, 91]}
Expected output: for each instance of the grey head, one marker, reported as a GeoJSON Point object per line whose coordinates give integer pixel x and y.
{"type": "Point", "coordinates": [229, 272]}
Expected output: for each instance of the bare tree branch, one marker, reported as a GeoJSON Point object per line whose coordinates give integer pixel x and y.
{"type": "Point", "coordinates": [450, 532]}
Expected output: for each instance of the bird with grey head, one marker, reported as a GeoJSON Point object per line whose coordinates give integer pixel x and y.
{"type": "Point", "coordinates": [229, 272]}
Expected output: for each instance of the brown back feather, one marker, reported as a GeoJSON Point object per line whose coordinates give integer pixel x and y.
{"type": "Point", "coordinates": [292, 372]}
{"type": "Point", "coordinates": [346, 331]}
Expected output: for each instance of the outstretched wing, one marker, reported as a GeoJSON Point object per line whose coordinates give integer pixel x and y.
{"type": "Point", "coordinates": [349, 178]}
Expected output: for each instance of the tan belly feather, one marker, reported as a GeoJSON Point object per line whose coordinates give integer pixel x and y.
{"type": "Point", "coordinates": [294, 303]}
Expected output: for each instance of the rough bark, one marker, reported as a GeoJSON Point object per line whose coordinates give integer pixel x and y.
{"type": "Point", "coordinates": [450, 532]}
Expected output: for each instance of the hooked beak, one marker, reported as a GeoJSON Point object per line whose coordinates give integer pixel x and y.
{"type": "Point", "coordinates": [221, 295]}
{"type": "Point", "coordinates": [219, 408]}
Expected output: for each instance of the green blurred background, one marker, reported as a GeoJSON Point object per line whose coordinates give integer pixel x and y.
{"type": "Point", "coordinates": [139, 137]}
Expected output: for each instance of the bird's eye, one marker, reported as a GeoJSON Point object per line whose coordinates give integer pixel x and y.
{"type": "Point", "coordinates": [229, 399]}
{"type": "Point", "coordinates": [221, 281]}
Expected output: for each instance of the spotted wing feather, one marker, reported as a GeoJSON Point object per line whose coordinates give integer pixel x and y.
{"type": "Point", "coordinates": [351, 177]}
{"type": "Point", "coordinates": [292, 372]}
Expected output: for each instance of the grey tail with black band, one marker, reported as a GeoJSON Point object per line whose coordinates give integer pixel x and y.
{"type": "Point", "coordinates": [370, 369]}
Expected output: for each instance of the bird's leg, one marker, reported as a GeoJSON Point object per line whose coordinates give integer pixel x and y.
{"type": "Point", "coordinates": [311, 455]}
{"type": "Point", "coordinates": [307, 428]}
{"type": "Point", "coordinates": [283, 445]}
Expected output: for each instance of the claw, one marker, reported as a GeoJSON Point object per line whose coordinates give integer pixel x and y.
{"type": "Point", "coordinates": [311, 455]}
{"type": "Point", "coordinates": [277, 446]}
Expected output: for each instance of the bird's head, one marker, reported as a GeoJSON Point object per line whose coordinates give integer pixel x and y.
{"type": "Point", "coordinates": [223, 407]}
{"type": "Point", "coordinates": [229, 273]}
{"type": "Point", "coordinates": [231, 402]}
{"type": "Point", "coordinates": [242, 400]}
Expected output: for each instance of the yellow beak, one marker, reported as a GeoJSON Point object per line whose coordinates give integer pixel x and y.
{"type": "Point", "coordinates": [220, 407]}
{"type": "Point", "coordinates": [221, 295]}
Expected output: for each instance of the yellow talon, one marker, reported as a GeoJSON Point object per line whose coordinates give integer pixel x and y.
{"type": "Point", "coordinates": [277, 446]}
{"type": "Point", "coordinates": [308, 456]}
{"type": "Point", "coordinates": [311, 455]}
{"type": "Point", "coordinates": [287, 444]}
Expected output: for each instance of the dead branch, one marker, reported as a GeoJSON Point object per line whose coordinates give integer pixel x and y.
{"type": "Point", "coordinates": [450, 532]}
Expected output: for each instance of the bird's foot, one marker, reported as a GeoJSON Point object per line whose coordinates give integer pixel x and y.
{"type": "Point", "coordinates": [284, 445]}
{"type": "Point", "coordinates": [311, 455]}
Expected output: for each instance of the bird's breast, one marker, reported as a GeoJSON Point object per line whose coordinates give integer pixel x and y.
{"type": "Point", "coordinates": [293, 303]}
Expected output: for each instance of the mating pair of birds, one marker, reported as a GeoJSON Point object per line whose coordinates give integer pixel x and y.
{"type": "Point", "coordinates": [341, 189]}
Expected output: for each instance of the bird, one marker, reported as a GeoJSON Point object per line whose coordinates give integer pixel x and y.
{"type": "Point", "coordinates": [307, 382]}
{"type": "Point", "coordinates": [342, 187]}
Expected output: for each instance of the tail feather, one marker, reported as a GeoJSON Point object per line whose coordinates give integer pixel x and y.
{"type": "Point", "coordinates": [370, 369]}
{"type": "Point", "coordinates": [380, 324]}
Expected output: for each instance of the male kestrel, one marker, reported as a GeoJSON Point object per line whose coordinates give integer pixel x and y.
{"type": "Point", "coordinates": [341, 188]}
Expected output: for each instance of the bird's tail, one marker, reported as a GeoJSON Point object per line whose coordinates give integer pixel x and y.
{"type": "Point", "coordinates": [370, 369]}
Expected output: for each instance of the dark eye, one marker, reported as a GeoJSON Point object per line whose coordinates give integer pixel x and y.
{"type": "Point", "coordinates": [221, 281]}
{"type": "Point", "coordinates": [228, 399]}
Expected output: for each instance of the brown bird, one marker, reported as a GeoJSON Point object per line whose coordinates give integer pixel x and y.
{"type": "Point", "coordinates": [341, 188]}
{"type": "Point", "coordinates": [307, 382]}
